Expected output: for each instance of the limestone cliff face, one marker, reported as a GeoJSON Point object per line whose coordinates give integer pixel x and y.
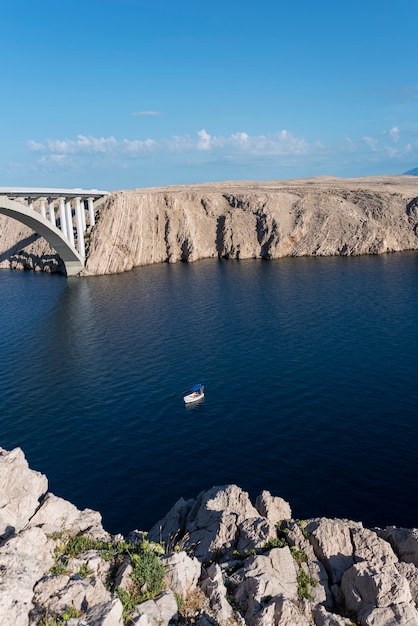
{"type": "Point", "coordinates": [254, 220]}
{"type": "Point", "coordinates": [239, 220]}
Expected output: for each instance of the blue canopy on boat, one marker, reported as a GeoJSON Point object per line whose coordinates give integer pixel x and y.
{"type": "Point", "coordinates": [196, 387]}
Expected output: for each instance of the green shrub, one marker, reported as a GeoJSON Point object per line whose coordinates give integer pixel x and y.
{"type": "Point", "coordinates": [81, 543]}
{"type": "Point", "coordinates": [302, 525]}
{"type": "Point", "coordinates": [275, 542]}
{"type": "Point", "coordinates": [148, 573]}
{"type": "Point", "coordinates": [85, 571]}
{"type": "Point", "coordinates": [300, 556]}
{"type": "Point", "coordinates": [305, 582]}
{"type": "Point", "coordinates": [70, 612]}
{"type": "Point", "coordinates": [128, 603]}
{"type": "Point", "coordinates": [60, 620]}
{"type": "Point", "coordinates": [60, 568]}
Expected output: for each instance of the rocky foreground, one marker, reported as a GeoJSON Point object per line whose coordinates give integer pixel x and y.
{"type": "Point", "coordinates": [217, 560]}
{"type": "Point", "coordinates": [235, 220]}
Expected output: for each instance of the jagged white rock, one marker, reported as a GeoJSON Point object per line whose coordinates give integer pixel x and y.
{"type": "Point", "coordinates": [367, 588]}
{"type": "Point", "coordinates": [58, 593]}
{"type": "Point", "coordinates": [104, 614]}
{"type": "Point", "coordinates": [20, 493]}
{"type": "Point", "coordinates": [274, 508]}
{"type": "Point", "coordinates": [404, 541]}
{"type": "Point", "coordinates": [331, 541]}
{"type": "Point", "coordinates": [56, 514]}
{"type": "Point", "coordinates": [24, 559]}
{"type": "Point", "coordinates": [159, 611]}
{"type": "Point", "coordinates": [182, 572]}
{"type": "Point", "coordinates": [254, 533]}
{"type": "Point", "coordinates": [214, 588]}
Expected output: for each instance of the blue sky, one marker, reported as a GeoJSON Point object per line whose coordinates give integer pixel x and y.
{"type": "Point", "coordinates": [120, 94]}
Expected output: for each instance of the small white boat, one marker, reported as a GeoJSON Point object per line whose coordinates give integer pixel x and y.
{"type": "Point", "coordinates": [197, 392]}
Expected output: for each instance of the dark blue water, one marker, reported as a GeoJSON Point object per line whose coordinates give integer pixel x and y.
{"type": "Point", "coordinates": [310, 367]}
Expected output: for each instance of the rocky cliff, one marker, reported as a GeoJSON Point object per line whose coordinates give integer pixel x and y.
{"type": "Point", "coordinates": [216, 560]}
{"type": "Point", "coordinates": [238, 220]}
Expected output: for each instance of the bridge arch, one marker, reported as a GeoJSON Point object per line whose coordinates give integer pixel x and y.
{"type": "Point", "coordinates": [61, 239]}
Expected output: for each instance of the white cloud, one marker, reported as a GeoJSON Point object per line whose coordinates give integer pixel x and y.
{"type": "Point", "coordinates": [146, 113]}
{"type": "Point", "coordinates": [282, 148]}
{"type": "Point", "coordinates": [394, 134]}
{"type": "Point", "coordinates": [281, 143]}
{"type": "Point", "coordinates": [204, 142]}
{"type": "Point", "coordinates": [371, 142]}
{"type": "Point", "coordinates": [35, 147]}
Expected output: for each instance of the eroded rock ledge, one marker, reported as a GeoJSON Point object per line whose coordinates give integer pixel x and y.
{"type": "Point", "coordinates": [237, 220]}
{"type": "Point", "coordinates": [223, 560]}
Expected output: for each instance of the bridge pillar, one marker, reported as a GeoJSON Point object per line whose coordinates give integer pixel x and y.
{"type": "Point", "coordinates": [30, 204]}
{"type": "Point", "coordinates": [43, 210]}
{"type": "Point", "coordinates": [69, 219]}
{"type": "Point", "coordinates": [83, 215]}
{"type": "Point", "coordinates": [51, 211]}
{"type": "Point", "coordinates": [80, 226]}
{"type": "Point", "coordinates": [90, 204]}
{"type": "Point", "coordinates": [63, 219]}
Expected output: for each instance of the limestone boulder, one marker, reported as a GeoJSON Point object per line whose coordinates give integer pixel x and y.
{"type": "Point", "coordinates": [182, 572]}
{"type": "Point", "coordinates": [160, 611]}
{"type": "Point", "coordinates": [56, 593]}
{"type": "Point", "coordinates": [254, 534]}
{"type": "Point", "coordinates": [410, 572]}
{"type": "Point", "coordinates": [21, 491]}
{"type": "Point", "coordinates": [104, 614]}
{"type": "Point", "coordinates": [396, 615]}
{"type": "Point", "coordinates": [332, 543]}
{"type": "Point", "coordinates": [212, 525]}
{"type": "Point", "coordinates": [23, 561]}
{"type": "Point", "coordinates": [280, 612]}
{"type": "Point", "coordinates": [367, 588]}
{"type": "Point", "coordinates": [56, 515]}
{"type": "Point", "coordinates": [274, 508]}
{"type": "Point", "coordinates": [404, 541]}
{"type": "Point", "coordinates": [368, 546]}
{"type": "Point", "coordinates": [263, 578]}
{"type": "Point", "coordinates": [322, 617]}
{"type": "Point", "coordinates": [214, 588]}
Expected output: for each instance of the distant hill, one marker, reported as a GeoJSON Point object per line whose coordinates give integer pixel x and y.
{"type": "Point", "coordinates": [413, 172]}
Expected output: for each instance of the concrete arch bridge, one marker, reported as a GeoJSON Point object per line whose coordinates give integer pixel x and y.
{"type": "Point", "coordinates": [61, 216]}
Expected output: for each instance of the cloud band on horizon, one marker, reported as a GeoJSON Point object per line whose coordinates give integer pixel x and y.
{"type": "Point", "coordinates": [283, 144]}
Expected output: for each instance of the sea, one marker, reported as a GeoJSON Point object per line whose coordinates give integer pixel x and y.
{"type": "Point", "coordinates": [310, 368]}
